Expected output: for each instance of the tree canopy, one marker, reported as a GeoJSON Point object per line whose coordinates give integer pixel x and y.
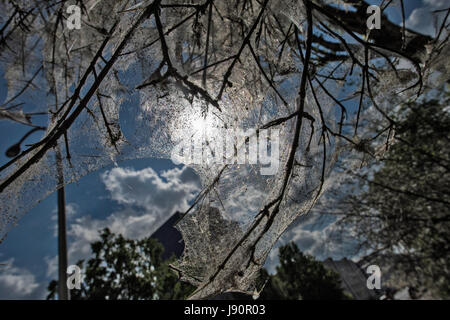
{"type": "Point", "coordinates": [126, 269]}
{"type": "Point", "coordinates": [301, 277]}
{"type": "Point", "coordinates": [400, 209]}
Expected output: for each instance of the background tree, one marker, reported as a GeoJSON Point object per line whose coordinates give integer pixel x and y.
{"type": "Point", "coordinates": [301, 277]}
{"type": "Point", "coordinates": [400, 209]}
{"type": "Point", "coordinates": [127, 269]}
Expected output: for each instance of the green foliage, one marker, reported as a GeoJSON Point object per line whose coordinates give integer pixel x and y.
{"type": "Point", "coordinates": [301, 277]}
{"type": "Point", "coordinates": [127, 269]}
{"type": "Point", "coordinates": [404, 214]}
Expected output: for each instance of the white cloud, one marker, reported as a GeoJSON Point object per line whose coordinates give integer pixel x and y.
{"type": "Point", "coordinates": [18, 283]}
{"type": "Point", "coordinates": [422, 20]}
{"type": "Point", "coordinates": [162, 195]}
{"type": "Point", "coordinates": [52, 267]}
{"type": "Point", "coordinates": [71, 212]}
{"type": "Point", "coordinates": [147, 201]}
{"type": "Point", "coordinates": [83, 231]}
{"type": "Point", "coordinates": [436, 4]}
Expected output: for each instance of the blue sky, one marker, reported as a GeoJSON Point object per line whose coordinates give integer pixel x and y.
{"type": "Point", "coordinates": [133, 198]}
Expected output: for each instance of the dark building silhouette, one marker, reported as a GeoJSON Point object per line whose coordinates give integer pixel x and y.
{"type": "Point", "coordinates": [170, 237]}
{"type": "Point", "coordinates": [353, 279]}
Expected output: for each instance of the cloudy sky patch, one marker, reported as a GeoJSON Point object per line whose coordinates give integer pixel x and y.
{"type": "Point", "coordinates": [146, 200]}
{"type": "Point", "coordinates": [18, 283]}
{"type": "Point", "coordinates": [133, 201]}
{"type": "Point", "coordinates": [423, 20]}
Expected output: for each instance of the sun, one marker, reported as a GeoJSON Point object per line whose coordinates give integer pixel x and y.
{"type": "Point", "coordinates": [199, 124]}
